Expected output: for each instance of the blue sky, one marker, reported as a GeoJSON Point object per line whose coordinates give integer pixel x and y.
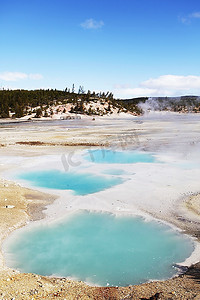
{"type": "Point", "coordinates": [130, 47]}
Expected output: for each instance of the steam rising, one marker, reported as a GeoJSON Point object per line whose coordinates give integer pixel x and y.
{"type": "Point", "coordinates": [189, 103]}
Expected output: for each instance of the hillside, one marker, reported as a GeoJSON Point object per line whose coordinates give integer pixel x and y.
{"type": "Point", "coordinates": [66, 104]}
{"type": "Point", "coordinates": [48, 103]}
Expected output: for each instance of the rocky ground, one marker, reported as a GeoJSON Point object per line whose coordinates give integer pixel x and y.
{"type": "Point", "coordinates": [30, 286]}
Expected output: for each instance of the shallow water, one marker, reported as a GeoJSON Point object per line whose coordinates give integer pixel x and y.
{"type": "Point", "coordinates": [120, 157]}
{"type": "Point", "coordinates": [100, 249]}
{"type": "Point", "coordinates": [80, 184]}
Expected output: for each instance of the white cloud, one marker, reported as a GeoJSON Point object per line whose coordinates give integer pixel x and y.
{"type": "Point", "coordinates": [195, 15]}
{"type": "Point", "coordinates": [92, 24]}
{"type": "Point", "coordinates": [184, 20]}
{"type": "Point", "coordinates": [187, 19]}
{"type": "Point", "coordinates": [12, 76]}
{"type": "Point", "coordinates": [165, 85]}
{"type": "Point", "coordinates": [15, 76]}
{"type": "Point", "coordinates": [173, 82]}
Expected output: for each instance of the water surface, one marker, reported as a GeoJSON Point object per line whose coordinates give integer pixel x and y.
{"type": "Point", "coordinates": [120, 157]}
{"type": "Point", "coordinates": [79, 183]}
{"type": "Point", "coordinates": [100, 249]}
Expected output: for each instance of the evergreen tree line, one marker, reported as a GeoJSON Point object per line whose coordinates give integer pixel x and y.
{"type": "Point", "coordinates": [18, 101]}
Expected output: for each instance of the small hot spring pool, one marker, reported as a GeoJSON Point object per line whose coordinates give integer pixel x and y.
{"type": "Point", "coordinates": [119, 157]}
{"type": "Point", "coordinates": [99, 248]}
{"type": "Point", "coordinates": [79, 183]}
{"type": "Point", "coordinates": [87, 183]}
